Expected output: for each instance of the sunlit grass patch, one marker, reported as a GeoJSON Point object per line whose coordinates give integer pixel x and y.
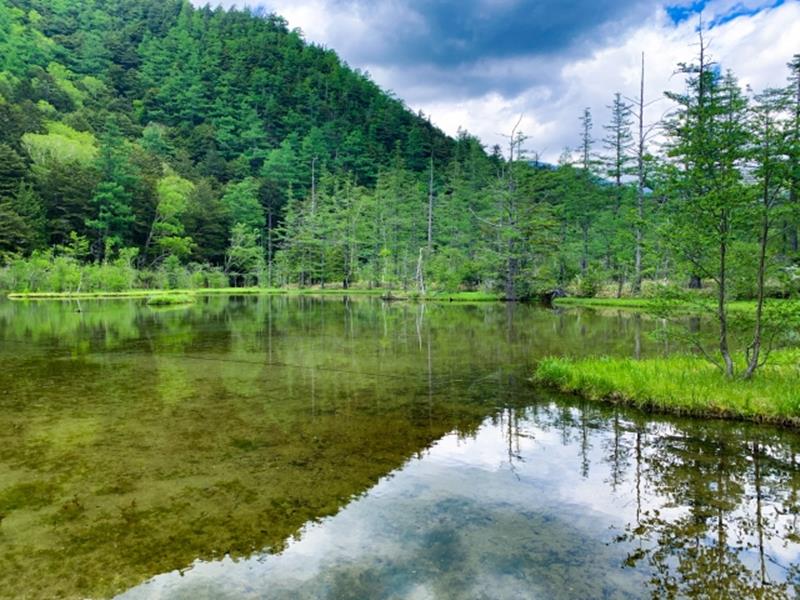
{"type": "Point", "coordinates": [80, 295]}
{"type": "Point", "coordinates": [606, 302]}
{"type": "Point", "coordinates": [684, 384]}
{"type": "Point", "coordinates": [170, 300]}
{"type": "Point", "coordinates": [699, 305]}
{"type": "Point", "coordinates": [471, 296]}
{"type": "Point", "coordinates": [138, 293]}
{"type": "Point", "coordinates": [387, 293]}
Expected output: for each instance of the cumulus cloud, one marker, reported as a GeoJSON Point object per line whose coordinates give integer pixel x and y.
{"type": "Point", "coordinates": [480, 64]}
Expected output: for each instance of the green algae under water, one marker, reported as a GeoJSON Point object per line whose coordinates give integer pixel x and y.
{"type": "Point", "coordinates": [269, 447]}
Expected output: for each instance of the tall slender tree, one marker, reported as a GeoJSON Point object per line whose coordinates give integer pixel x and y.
{"type": "Point", "coordinates": [112, 210]}
{"type": "Point", "coordinates": [793, 148]}
{"type": "Point", "coordinates": [708, 141]}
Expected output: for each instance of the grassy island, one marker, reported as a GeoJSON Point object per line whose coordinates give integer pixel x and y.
{"type": "Point", "coordinates": [170, 300]}
{"type": "Point", "coordinates": [683, 384]}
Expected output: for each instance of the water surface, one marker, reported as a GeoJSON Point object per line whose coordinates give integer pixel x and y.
{"type": "Point", "coordinates": [283, 448]}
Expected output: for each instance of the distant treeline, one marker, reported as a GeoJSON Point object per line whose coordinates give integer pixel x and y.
{"type": "Point", "coordinates": [148, 143]}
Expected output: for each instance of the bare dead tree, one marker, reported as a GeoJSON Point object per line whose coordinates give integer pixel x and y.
{"type": "Point", "coordinates": [643, 135]}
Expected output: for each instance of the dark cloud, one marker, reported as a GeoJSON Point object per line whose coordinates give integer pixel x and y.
{"type": "Point", "coordinates": [433, 82]}
{"type": "Point", "coordinates": [465, 49]}
{"type": "Point", "coordinates": [451, 34]}
{"type": "Point", "coordinates": [469, 47]}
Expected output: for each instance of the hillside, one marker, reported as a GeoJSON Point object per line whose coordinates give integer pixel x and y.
{"type": "Point", "coordinates": [101, 100]}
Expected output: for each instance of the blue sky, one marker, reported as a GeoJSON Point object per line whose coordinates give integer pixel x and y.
{"type": "Point", "coordinates": [693, 10]}
{"type": "Point", "coordinates": [480, 64]}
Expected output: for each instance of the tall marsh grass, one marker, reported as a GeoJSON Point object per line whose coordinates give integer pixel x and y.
{"type": "Point", "coordinates": [683, 384]}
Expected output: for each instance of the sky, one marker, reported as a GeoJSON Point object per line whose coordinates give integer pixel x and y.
{"type": "Point", "coordinates": [480, 65]}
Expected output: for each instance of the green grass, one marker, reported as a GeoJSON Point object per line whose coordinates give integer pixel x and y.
{"type": "Point", "coordinates": [339, 291]}
{"type": "Point", "coordinates": [83, 295]}
{"type": "Point", "coordinates": [396, 294]}
{"type": "Point", "coordinates": [683, 384]}
{"type": "Point", "coordinates": [138, 293]}
{"type": "Point", "coordinates": [605, 302]}
{"type": "Point", "coordinates": [170, 299]}
{"type": "Point", "coordinates": [464, 297]}
{"type": "Point", "coordinates": [699, 305]}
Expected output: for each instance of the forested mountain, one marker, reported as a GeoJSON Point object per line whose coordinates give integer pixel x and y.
{"type": "Point", "coordinates": [109, 109]}
{"type": "Point", "coordinates": [148, 143]}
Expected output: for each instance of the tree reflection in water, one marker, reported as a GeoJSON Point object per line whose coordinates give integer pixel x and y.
{"type": "Point", "coordinates": [715, 505]}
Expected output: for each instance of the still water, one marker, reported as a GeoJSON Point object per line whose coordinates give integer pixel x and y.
{"type": "Point", "coordinates": [272, 447]}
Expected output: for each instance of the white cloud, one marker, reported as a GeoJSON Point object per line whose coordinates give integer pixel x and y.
{"type": "Point", "coordinates": [488, 95]}
{"type": "Point", "coordinates": [756, 48]}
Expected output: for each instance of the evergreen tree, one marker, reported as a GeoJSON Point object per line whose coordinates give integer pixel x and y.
{"type": "Point", "coordinates": [12, 172]}
{"type": "Point", "coordinates": [112, 213]}
{"type": "Point", "coordinates": [709, 137]}
{"type": "Point", "coordinates": [793, 149]}
{"type": "Point", "coordinates": [615, 225]}
{"type": "Point", "coordinates": [242, 203]}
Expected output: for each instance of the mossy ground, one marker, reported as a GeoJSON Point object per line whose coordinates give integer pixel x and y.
{"type": "Point", "coordinates": [683, 384]}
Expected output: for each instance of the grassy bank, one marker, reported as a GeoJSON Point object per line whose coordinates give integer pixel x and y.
{"type": "Point", "coordinates": [138, 293]}
{"type": "Point", "coordinates": [683, 384]}
{"type": "Point", "coordinates": [694, 306]}
{"type": "Point", "coordinates": [376, 292]}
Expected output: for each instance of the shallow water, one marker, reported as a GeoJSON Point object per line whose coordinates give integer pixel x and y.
{"type": "Point", "coordinates": [289, 448]}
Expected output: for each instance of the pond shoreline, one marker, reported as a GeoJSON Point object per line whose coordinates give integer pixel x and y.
{"type": "Point", "coordinates": [699, 305]}
{"type": "Point", "coordinates": [683, 385]}
{"type": "Point", "coordinates": [627, 304]}
{"type": "Point", "coordinates": [383, 293]}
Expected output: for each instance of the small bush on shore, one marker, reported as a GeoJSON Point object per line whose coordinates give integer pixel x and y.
{"type": "Point", "coordinates": [52, 273]}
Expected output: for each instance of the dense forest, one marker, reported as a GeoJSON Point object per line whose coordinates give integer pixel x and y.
{"type": "Point", "coordinates": [149, 143]}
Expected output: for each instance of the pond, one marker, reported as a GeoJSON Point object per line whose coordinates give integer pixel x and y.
{"type": "Point", "coordinates": [276, 447]}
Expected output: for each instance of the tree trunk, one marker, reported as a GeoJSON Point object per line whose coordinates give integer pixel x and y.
{"type": "Point", "coordinates": [511, 275]}
{"type": "Point", "coordinates": [722, 309]}
{"type": "Point", "coordinates": [345, 267]}
{"type": "Point", "coordinates": [754, 351]}
{"type": "Point", "coordinates": [794, 184]}
{"type": "Point", "coordinates": [755, 347]}
{"type": "Point", "coordinates": [420, 273]}
{"type": "Point", "coordinates": [794, 242]}
{"type": "Point", "coordinates": [637, 261]}
{"type": "Point", "coordinates": [585, 250]}
{"type": "Point", "coordinates": [149, 240]}
{"type": "Point", "coordinates": [269, 246]}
